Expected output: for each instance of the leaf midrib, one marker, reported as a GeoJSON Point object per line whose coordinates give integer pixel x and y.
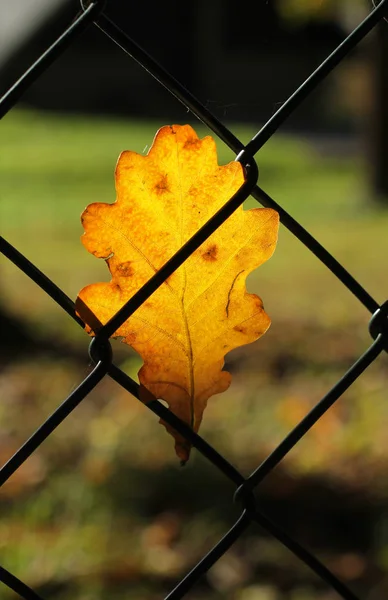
{"type": "Point", "coordinates": [184, 316]}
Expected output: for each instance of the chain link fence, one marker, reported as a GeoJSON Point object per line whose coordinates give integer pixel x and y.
{"type": "Point", "coordinates": [100, 349]}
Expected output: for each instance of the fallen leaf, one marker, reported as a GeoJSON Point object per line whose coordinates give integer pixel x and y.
{"type": "Point", "coordinates": [203, 310]}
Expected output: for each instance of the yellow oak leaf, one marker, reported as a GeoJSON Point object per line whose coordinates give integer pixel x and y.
{"type": "Point", "coordinates": [203, 310]}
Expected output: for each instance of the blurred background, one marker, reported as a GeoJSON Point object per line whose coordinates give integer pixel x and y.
{"type": "Point", "coordinates": [102, 509]}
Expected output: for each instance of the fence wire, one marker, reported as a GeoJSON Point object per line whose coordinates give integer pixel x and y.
{"type": "Point", "coordinates": [100, 349]}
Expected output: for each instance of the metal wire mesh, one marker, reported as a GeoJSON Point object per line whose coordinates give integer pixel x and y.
{"type": "Point", "coordinates": [100, 348]}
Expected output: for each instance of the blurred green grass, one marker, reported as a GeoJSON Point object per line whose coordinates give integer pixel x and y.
{"type": "Point", "coordinates": [101, 509]}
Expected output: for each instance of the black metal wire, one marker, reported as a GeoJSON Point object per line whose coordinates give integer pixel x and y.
{"type": "Point", "coordinates": [186, 250]}
{"type": "Point", "coordinates": [203, 114]}
{"type": "Point", "coordinates": [316, 77]}
{"type": "Point", "coordinates": [44, 282]}
{"type": "Point", "coordinates": [168, 81]}
{"type": "Point", "coordinates": [197, 441]}
{"type": "Point", "coordinates": [244, 155]}
{"type": "Point", "coordinates": [309, 559]}
{"type": "Point", "coordinates": [18, 586]}
{"type": "Point", "coordinates": [233, 475]}
{"type": "Point", "coordinates": [100, 349]}
{"type": "Point", "coordinates": [312, 417]}
{"type": "Point", "coordinates": [378, 325]}
{"type": "Point", "coordinates": [52, 53]}
{"type": "Point", "coordinates": [208, 561]}
{"type": "Point", "coordinates": [53, 421]}
{"type": "Point", "coordinates": [164, 413]}
{"type": "Point", "coordinates": [318, 250]}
